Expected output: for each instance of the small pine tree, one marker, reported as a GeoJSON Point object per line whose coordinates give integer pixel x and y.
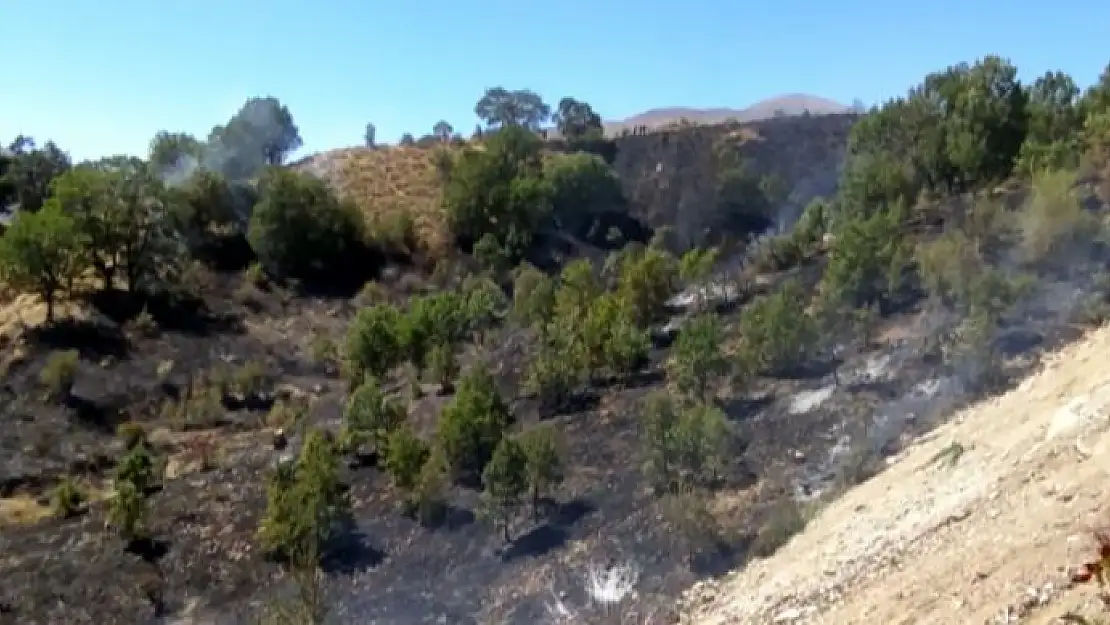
{"type": "Point", "coordinates": [506, 481]}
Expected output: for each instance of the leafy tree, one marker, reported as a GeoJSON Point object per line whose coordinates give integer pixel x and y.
{"type": "Point", "coordinates": [405, 455]}
{"type": "Point", "coordinates": [777, 333]}
{"type": "Point", "coordinates": [444, 365]}
{"type": "Point", "coordinates": [370, 417]}
{"type": "Point", "coordinates": [533, 296]}
{"type": "Point", "coordinates": [175, 155]}
{"type": "Point", "coordinates": [407, 140]}
{"type": "Point", "coordinates": [869, 258]}
{"type": "Point", "coordinates": [609, 338]}
{"type": "Point", "coordinates": [300, 229]}
{"type": "Point", "coordinates": [556, 369]}
{"type": "Point", "coordinates": [576, 119]}
{"type": "Point", "coordinates": [370, 136]}
{"type": "Point", "coordinates": [696, 359]}
{"type": "Point", "coordinates": [305, 500]}
{"type": "Point", "coordinates": [472, 424]}
{"type": "Point", "coordinates": [373, 342]}
{"type": "Point", "coordinates": [28, 171]}
{"type": "Point", "coordinates": [121, 211]}
{"type": "Point", "coordinates": [499, 191]}
{"type": "Point", "coordinates": [438, 318]}
{"type": "Point", "coordinates": [41, 252]}
{"type": "Point", "coordinates": [648, 277]}
{"type": "Point", "coordinates": [696, 264]}
{"type": "Point", "coordinates": [500, 108]}
{"type": "Point", "coordinates": [207, 210]}
{"type": "Point", "coordinates": [543, 461]}
{"type": "Point", "coordinates": [578, 288]}
{"type": "Point", "coordinates": [703, 440]}
{"type": "Point", "coordinates": [262, 133]}
{"type": "Point", "coordinates": [506, 481]}
{"type": "Point", "coordinates": [1051, 140]}
{"type": "Point", "coordinates": [443, 130]}
{"type": "Point", "coordinates": [660, 418]}
{"type": "Point", "coordinates": [584, 187]}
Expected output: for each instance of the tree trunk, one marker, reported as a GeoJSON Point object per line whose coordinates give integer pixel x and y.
{"type": "Point", "coordinates": [535, 503]}
{"type": "Point", "coordinates": [48, 295]}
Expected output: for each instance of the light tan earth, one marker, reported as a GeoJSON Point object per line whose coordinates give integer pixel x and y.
{"type": "Point", "coordinates": [988, 537]}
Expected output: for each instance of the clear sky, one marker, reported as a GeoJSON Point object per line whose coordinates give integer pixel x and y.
{"type": "Point", "coordinates": [101, 77]}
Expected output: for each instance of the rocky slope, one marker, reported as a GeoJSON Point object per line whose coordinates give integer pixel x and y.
{"type": "Point", "coordinates": [977, 522]}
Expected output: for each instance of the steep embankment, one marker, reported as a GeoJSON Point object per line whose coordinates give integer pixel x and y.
{"type": "Point", "coordinates": [976, 523]}
{"type": "Point", "coordinates": [669, 176]}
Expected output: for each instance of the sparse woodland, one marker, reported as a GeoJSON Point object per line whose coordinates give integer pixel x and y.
{"type": "Point", "coordinates": [322, 371]}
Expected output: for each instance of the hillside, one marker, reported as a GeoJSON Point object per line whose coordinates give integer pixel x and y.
{"type": "Point", "coordinates": [980, 521]}
{"type": "Point", "coordinates": [787, 105]}
{"type": "Point", "coordinates": [561, 381]}
{"type": "Point", "coordinates": [669, 178]}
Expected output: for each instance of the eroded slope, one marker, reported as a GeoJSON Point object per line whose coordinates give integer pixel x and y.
{"type": "Point", "coordinates": [976, 523]}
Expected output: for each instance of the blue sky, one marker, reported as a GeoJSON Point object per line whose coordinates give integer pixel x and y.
{"type": "Point", "coordinates": [102, 77]}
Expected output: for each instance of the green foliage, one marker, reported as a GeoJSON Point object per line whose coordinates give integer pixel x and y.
{"type": "Point", "coordinates": [27, 171]}
{"type": "Point", "coordinates": [405, 455]}
{"type": "Point", "coordinates": [869, 258]}
{"type": "Point", "coordinates": [660, 419]}
{"type": "Point", "coordinates": [648, 276]}
{"type": "Point", "coordinates": [374, 342]}
{"type": "Point", "coordinates": [67, 498]}
{"type": "Point", "coordinates": [533, 296]}
{"type": "Point", "coordinates": [437, 319]}
{"type": "Point", "coordinates": [696, 264]}
{"type": "Point", "coordinates": [300, 229]}
{"type": "Point", "coordinates": [505, 479]}
{"type": "Point", "coordinates": [499, 191]}
{"type": "Point", "coordinates": [777, 333]}
{"type": "Point", "coordinates": [136, 467]}
{"type": "Point", "coordinates": [543, 455]}
{"type": "Point", "coordinates": [128, 510]}
{"type": "Point", "coordinates": [702, 442]}
{"type": "Point", "coordinates": [443, 364]}
{"type": "Point", "coordinates": [370, 417]}
{"type": "Point", "coordinates": [60, 372]}
{"type": "Point", "coordinates": [503, 109]}
{"type": "Point", "coordinates": [41, 252]}
{"type": "Point", "coordinates": [583, 187]}
{"type": "Point", "coordinates": [696, 358]}
{"type": "Point", "coordinates": [576, 119]}
{"type": "Point", "coordinates": [1053, 222]}
{"type": "Point", "coordinates": [305, 501]}
{"type": "Point", "coordinates": [472, 424]}
{"type": "Point", "coordinates": [260, 134]}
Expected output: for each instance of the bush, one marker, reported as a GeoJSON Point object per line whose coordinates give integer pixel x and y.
{"type": "Point", "coordinates": [59, 373]}
{"type": "Point", "coordinates": [305, 502]}
{"type": "Point", "coordinates": [374, 343]}
{"type": "Point", "coordinates": [405, 455]}
{"type": "Point", "coordinates": [300, 230]}
{"type": "Point", "coordinates": [472, 424]}
{"type": "Point", "coordinates": [777, 334]}
{"type": "Point", "coordinates": [696, 358]}
{"type": "Point", "coordinates": [370, 417]}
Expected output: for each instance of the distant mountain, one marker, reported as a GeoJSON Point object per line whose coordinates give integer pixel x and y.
{"type": "Point", "coordinates": [788, 104]}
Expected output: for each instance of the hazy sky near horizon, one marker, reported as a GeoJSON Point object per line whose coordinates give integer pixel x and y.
{"type": "Point", "coordinates": [102, 77]}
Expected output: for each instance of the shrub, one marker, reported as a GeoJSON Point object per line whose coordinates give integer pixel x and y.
{"type": "Point", "coordinates": [405, 455]}
{"type": "Point", "coordinates": [370, 417]}
{"type": "Point", "coordinates": [59, 373]}
{"type": "Point", "coordinates": [374, 344]}
{"type": "Point", "coordinates": [299, 229]}
{"type": "Point", "coordinates": [472, 424]}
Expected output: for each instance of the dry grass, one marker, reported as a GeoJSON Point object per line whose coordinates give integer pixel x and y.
{"type": "Point", "coordinates": [22, 510]}
{"type": "Point", "coordinates": [398, 189]}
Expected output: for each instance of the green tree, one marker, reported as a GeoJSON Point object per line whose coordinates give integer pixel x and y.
{"type": "Point", "coordinates": [370, 136]}
{"type": "Point", "coordinates": [506, 481]}
{"type": "Point", "coordinates": [869, 258]}
{"type": "Point", "coordinates": [41, 252]}
{"type": "Point", "coordinates": [1051, 140]}
{"type": "Point", "coordinates": [533, 296]}
{"type": "Point", "coordinates": [499, 191]}
{"type": "Point", "coordinates": [501, 108]}
{"type": "Point", "coordinates": [128, 510]}
{"type": "Point", "coordinates": [443, 131]}
{"type": "Point", "coordinates": [543, 461]}
{"type": "Point", "coordinates": [576, 119]}
{"type": "Point", "coordinates": [777, 333]}
{"type": "Point", "coordinates": [584, 187]}
{"type": "Point", "coordinates": [703, 441]}
{"type": "Point", "coordinates": [648, 278]}
{"type": "Point", "coordinates": [370, 417]}
{"type": "Point", "coordinates": [472, 424]}
{"type": "Point", "coordinates": [175, 155]}
{"type": "Point", "coordinates": [28, 171]}
{"type": "Point", "coordinates": [300, 229]}
{"type": "Point", "coordinates": [262, 133]}
{"type": "Point", "coordinates": [696, 358]}
{"type": "Point", "coordinates": [305, 502]}
{"type": "Point", "coordinates": [374, 344]}
{"type": "Point", "coordinates": [659, 422]}
{"type": "Point", "coordinates": [405, 456]}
